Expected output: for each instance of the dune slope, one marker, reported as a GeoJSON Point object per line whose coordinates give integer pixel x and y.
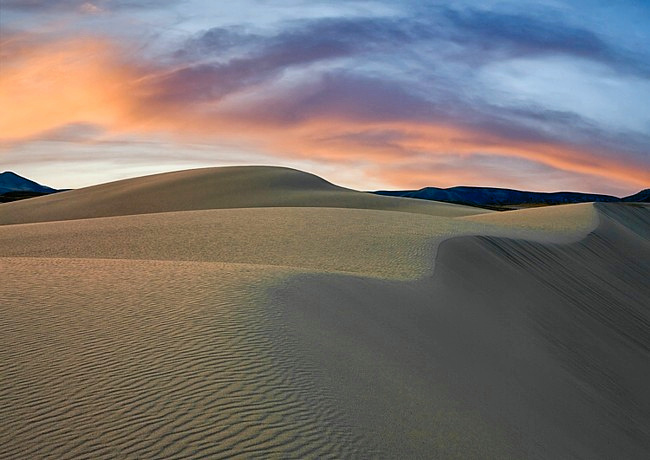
{"type": "Point", "coordinates": [211, 188]}
{"type": "Point", "coordinates": [383, 244]}
{"type": "Point", "coordinates": [512, 349]}
{"type": "Point", "coordinates": [375, 243]}
{"type": "Point", "coordinates": [154, 359]}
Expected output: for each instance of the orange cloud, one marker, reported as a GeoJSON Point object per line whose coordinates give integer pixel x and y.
{"type": "Point", "coordinates": [336, 141]}
{"type": "Point", "coordinates": [45, 86]}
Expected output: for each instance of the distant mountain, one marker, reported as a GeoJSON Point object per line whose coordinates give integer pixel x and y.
{"type": "Point", "coordinates": [12, 182]}
{"type": "Point", "coordinates": [14, 187]}
{"type": "Point", "coordinates": [501, 198]}
{"type": "Point", "coordinates": [642, 197]}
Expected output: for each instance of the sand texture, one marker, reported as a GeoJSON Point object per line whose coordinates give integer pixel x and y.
{"type": "Point", "coordinates": [241, 320]}
{"type": "Point", "coordinates": [146, 359]}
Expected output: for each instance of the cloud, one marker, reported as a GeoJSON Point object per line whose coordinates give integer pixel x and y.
{"type": "Point", "coordinates": [337, 95]}
{"type": "Point", "coordinates": [486, 36]}
{"type": "Point", "coordinates": [522, 34]}
{"type": "Point", "coordinates": [49, 85]}
{"type": "Point", "coordinates": [467, 35]}
{"type": "Point", "coordinates": [493, 170]}
{"type": "Point", "coordinates": [393, 94]}
{"type": "Point", "coordinates": [91, 8]}
{"type": "Point", "coordinates": [215, 80]}
{"type": "Point", "coordinates": [82, 5]}
{"type": "Point", "coordinates": [366, 103]}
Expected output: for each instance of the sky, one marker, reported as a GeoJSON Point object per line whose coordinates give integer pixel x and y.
{"type": "Point", "coordinates": [542, 95]}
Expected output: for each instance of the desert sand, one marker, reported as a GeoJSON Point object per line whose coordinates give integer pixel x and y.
{"type": "Point", "coordinates": [212, 188]}
{"type": "Point", "coordinates": [264, 312]}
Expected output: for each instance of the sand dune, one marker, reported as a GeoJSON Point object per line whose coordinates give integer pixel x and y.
{"type": "Point", "coordinates": [374, 243]}
{"type": "Point", "coordinates": [511, 349]}
{"type": "Point", "coordinates": [385, 244]}
{"type": "Point", "coordinates": [553, 223]}
{"type": "Point", "coordinates": [211, 188]}
{"type": "Point", "coordinates": [237, 328]}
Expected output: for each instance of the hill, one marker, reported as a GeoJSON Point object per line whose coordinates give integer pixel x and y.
{"type": "Point", "coordinates": [501, 198]}
{"type": "Point", "coordinates": [14, 187]}
{"type": "Point", "coordinates": [642, 197]}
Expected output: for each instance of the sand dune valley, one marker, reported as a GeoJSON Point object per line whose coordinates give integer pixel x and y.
{"type": "Point", "coordinates": [262, 312]}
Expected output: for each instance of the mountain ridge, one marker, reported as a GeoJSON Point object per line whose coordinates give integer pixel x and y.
{"type": "Point", "coordinates": [504, 198]}
{"type": "Point", "coordinates": [14, 187]}
{"type": "Point", "coordinates": [12, 182]}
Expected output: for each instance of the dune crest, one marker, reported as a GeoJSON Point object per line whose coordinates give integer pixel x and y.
{"type": "Point", "coordinates": [212, 188]}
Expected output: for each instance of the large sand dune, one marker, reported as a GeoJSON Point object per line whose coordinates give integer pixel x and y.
{"type": "Point", "coordinates": [211, 188]}
{"type": "Point", "coordinates": [255, 312]}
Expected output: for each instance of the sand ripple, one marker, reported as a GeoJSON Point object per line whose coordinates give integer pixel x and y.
{"type": "Point", "coordinates": [140, 359]}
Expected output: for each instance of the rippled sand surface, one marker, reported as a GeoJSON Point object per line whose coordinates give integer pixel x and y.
{"type": "Point", "coordinates": [149, 359]}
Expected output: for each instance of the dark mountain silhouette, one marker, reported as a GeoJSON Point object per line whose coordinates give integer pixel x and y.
{"type": "Point", "coordinates": [642, 197]}
{"type": "Point", "coordinates": [12, 182]}
{"type": "Point", "coordinates": [14, 187]}
{"type": "Point", "coordinates": [501, 198]}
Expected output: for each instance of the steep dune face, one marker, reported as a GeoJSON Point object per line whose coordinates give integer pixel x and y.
{"type": "Point", "coordinates": [211, 188]}
{"type": "Point", "coordinates": [512, 349]}
{"type": "Point", "coordinates": [568, 338]}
